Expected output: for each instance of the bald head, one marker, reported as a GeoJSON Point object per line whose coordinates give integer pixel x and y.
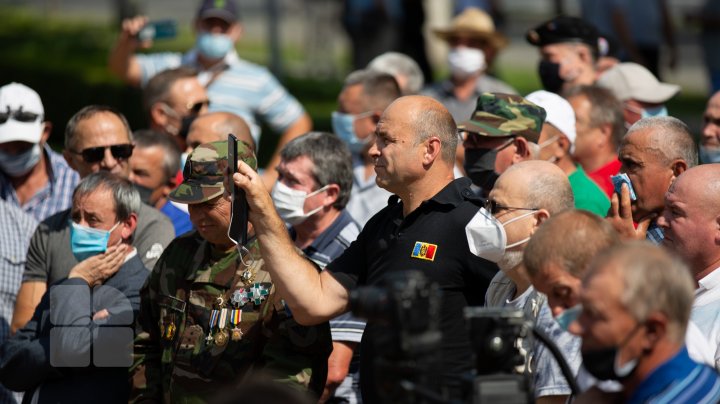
{"type": "Point", "coordinates": [426, 117]}
{"type": "Point", "coordinates": [568, 241]}
{"type": "Point", "coordinates": [215, 126]}
{"type": "Point", "coordinates": [539, 184]}
{"type": "Point", "coordinates": [700, 186]}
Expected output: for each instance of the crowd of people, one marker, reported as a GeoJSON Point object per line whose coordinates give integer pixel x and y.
{"type": "Point", "coordinates": [583, 205]}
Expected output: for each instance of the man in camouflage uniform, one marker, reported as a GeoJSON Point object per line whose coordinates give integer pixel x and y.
{"type": "Point", "coordinates": [503, 130]}
{"type": "Point", "coordinates": [212, 316]}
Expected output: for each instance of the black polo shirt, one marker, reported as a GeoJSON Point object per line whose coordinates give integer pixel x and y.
{"type": "Point", "coordinates": [430, 239]}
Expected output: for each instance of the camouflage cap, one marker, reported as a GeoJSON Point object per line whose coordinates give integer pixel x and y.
{"type": "Point", "coordinates": [205, 170]}
{"type": "Point", "coordinates": [503, 115]}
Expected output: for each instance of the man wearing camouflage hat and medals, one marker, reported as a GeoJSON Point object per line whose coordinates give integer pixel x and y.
{"type": "Point", "coordinates": [209, 312]}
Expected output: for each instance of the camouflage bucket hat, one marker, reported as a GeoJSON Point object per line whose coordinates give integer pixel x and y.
{"type": "Point", "coordinates": [503, 115]}
{"type": "Point", "coordinates": [205, 170]}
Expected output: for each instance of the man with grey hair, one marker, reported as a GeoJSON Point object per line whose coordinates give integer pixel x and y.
{"type": "Point", "coordinates": [153, 169]}
{"type": "Point", "coordinates": [364, 97]}
{"type": "Point", "coordinates": [313, 187]}
{"type": "Point", "coordinates": [89, 313]}
{"type": "Point", "coordinates": [97, 138]}
{"type": "Point", "coordinates": [414, 151]}
{"type": "Point", "coordinates": [523, 198]}
{"type": "Point", "coordinates": [600, 126]}
{"type": "Point", "coordinates": [406, 71]}
{"type": "Point", "coordinates": [653, 153]}
{"type": "Point", "coordinates": [636, 303]}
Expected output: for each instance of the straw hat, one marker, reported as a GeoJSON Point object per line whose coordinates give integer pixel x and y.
{"type": "Point", "coordinates": [473, 23]}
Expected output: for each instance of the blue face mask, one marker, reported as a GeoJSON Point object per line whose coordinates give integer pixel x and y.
{"type": "Point", "coordinates": [568, 316]}
{"type": "Point", "coordinates": [86, 241]}
{"type": "Point", "coordinates": [343, 126]}
{"type": "Point", "coordinates": [213, 46]}
{"type": "Point", "coordinates": [660, 110]}
{"type": "Point", "coordinates": [17, 165]}
{"type": "Point", "coordinates": [709, 155]}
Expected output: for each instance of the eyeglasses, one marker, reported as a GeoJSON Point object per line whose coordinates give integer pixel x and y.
{"type": "Point", "coordinates": [18, 115]}
{"type": "Point", "coordinates": [96, 154]}
{"type": "Point", "coordinates": [196, 107]}
{"type": "Point", "coordinates": [494, 207]}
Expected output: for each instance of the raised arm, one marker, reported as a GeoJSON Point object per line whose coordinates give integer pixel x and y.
{"type": "Point", "coordinates": [122, 61]}
{"type": "Point", "coordinates": [313, 296]}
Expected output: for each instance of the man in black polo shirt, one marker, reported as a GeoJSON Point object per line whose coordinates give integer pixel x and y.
{"type": "Point", "coordinates": [414, 155]}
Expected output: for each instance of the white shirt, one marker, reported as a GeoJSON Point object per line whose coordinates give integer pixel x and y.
{"type": "Point", "coordinates": [706, 311]}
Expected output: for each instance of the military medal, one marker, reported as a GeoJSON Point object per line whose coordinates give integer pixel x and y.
{"type": "Point", "coordinates": [235, 318]}
{"type": "Point", "coordinates": [213, 321]}
{"type": "Point", "coordinates": [240, 298]}
{"type": "Point", "coordinates": [221, 337]}
{"type": "Point", "coordinates": [258, 293]}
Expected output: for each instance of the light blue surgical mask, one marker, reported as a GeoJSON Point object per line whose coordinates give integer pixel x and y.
{"type": "Point", "coordinates": [568, 316]}
{"type": "Point", "coordinates": [660, 110]}
{"type": "Point", "coordinates": [17, 165]}
{"type": "Point", "coordinates": [709, 155]}
{"type": "Point", "coordinates": [86, 242]}
{"type": "Point", "coordinates": [343, 126]}
{"type": "Point", "coordinates": [213, 46]}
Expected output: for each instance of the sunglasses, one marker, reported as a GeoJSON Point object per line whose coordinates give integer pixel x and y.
{"type": "Point", "coordinates": [18, 115]}
{"type": "Point", "coordinates": [494, 207]}
{"type": "Point", "coordinates": [97, 154]}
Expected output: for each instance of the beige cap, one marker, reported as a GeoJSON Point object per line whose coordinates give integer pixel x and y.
{"type": "Point", "coordinates": [473, 23]}
{"type": "Point", "coordinates": [631, 81]}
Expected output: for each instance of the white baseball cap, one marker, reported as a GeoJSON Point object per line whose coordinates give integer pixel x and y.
{"type": "Point", "coordinates": [631, 81]}
{"type": "Point", "coordinates": [560, 113]}
{"type": "Point", "coordinates": [16, 97]}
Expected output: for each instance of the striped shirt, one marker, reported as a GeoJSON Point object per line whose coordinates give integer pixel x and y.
{"type": "Point", "coordinates": [16, 228]}
{"type": "Point", "coordinates": [655, 233]}
{"type": "Point", "coordinates": [240, 87]}
{"type": "Point", "coordinates": [56, 196]}
{"type": "Point", "coordinates": [679, 380]}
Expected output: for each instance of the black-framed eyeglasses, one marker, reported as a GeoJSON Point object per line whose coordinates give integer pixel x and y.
{"type": "Point", "coordinates": [494, 207]}
{"type": "Point", "coordinates": [18, 115]}
{"type": "Point", "coordinates": [97, 154]}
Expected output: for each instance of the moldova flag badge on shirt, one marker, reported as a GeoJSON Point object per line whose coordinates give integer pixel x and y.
{"type": "Point", "coordinates": [424, 251]}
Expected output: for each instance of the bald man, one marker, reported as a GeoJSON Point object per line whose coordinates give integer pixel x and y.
{"type": "Point", "coordinates": [653, 153]}
{"type": "Point", "coordinates": [710, 142]}
{"type": "Point", "coordinates": [422, 228]}
{"type": "Point", "coordinates": [523, 197]}
{"type": "Point", "coordinates": [691, 222]}
{"type": "Point", "coordinates": [215, 126]}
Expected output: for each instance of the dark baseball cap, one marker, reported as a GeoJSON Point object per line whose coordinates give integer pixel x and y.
{"type": "Point", "coordinates": [224, 9]}
{"type": "Point", "coordinates": [563, 29]}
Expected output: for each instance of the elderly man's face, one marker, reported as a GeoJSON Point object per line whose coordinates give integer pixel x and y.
{"type": "Point", "coordinates": [604, 321]}
{"type": "Point", "coordinates": [186, 98]}
{"type": "Point", "coordinates": [212, 220]}
{"type": "Point", "coordinates": [97, 210]}
{"type": "Point", "coordinates": [588, 136]}
{"type": "Point", "coordinates": [690, 226]}
{"type": "Point", "coordinates": [102, 129]}
{"type": "Point", "coordinates": [352, 101]}
{"type": "Point", "coordinates": [561, 288]}
{"type": "Point", "coordinates": [146, 169]}
{"type": "Point", "coordinates": [504, 147]}
{"type": "Point", "coordinates": [649, 174]}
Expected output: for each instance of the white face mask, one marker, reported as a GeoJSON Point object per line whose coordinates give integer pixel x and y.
{"type": "Point", "coordinates": [487, 238]}
{"type": "Point", "coordinates": [289, 203]}
{"type": "Point", "coordinates": [465, 61]}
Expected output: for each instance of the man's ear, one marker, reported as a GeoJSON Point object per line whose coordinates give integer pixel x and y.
{"type": "Point", "coordinates": [333, 193]}
{"type": "Point", "coordinates": [70, 159]}
{"type": "Point", "coordinates": [235, 32]}
{"type": "Point", "coordinates": [47, 129]}
{"type": "Point", "coordinates": [656, 329]}
{"type": "Point", "coordinates": [540, 217]}
{"type": "Point", "coordinates": [522, 150]}
{"type": "Point", "coordinates": [158, 114]}
{"type": "Point", "coordinates": [433, 147]}
{"type": "Point", "coordinates": [564, 144]}
{"type": "Point", "coordinates": [128, 226]}
{"type": "Point", "coordinates": [678, 167]}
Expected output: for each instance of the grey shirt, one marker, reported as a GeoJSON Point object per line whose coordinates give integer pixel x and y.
{"type": "Point", "coordinates": [461, 110]}
{"type": "Point", "coordinates": [50, 257]}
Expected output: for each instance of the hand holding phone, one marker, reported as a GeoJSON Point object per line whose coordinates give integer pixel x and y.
{"type": "Point", "coordinates": [237, 232]}
{"type": "Point", "coordinates": [155, 30]}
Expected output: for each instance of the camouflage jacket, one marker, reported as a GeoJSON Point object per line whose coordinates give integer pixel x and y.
{"type": "Point", "coordinates": [191, 350]}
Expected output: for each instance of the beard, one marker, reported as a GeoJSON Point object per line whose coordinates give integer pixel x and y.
{"type": "Point", "coordinates": [510, 260]}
